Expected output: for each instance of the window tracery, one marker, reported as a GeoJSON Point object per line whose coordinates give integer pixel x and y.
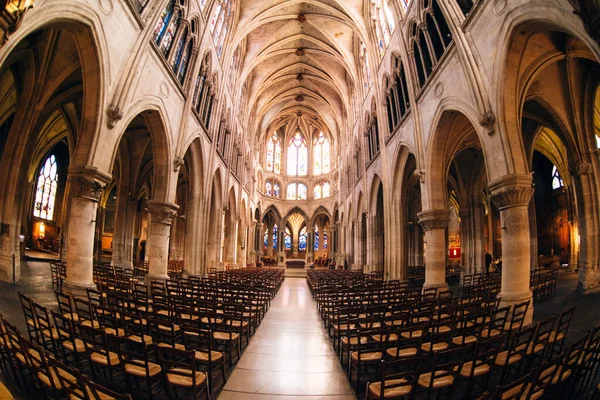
{"type": "Point", "coordinates": [297, 155]}
{"type": "Point", "coordinates": [385, 23]}
{"type": "Point", "coordinates": [322, 190]}
{"type": "Point", "coordinates": [321, 154]}
{"type": "Point", "coordinates": [220, 24]}
{"type": "Point", "coordinates": [557, 181]}
{"type": "Point", "coordinates": [47, 186]}
{"type": "Point", "coordinates": [274, 154]}
{"type": "Point", "coordinates": [296, 191]}
{"type": "Point", "coordinates": [272, 188]}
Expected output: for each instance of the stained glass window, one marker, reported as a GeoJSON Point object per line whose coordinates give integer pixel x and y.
{"type": "Point", "coordinates": [316, 238]}
{"type": "Point", "coordinates": [404, 4]}
{"type": "Point", "coordinates": [598, 141]}
{"type": "Point", "coordinates": [274, 154]}
{"type": "Point", "coordinates": [276, 189]}
{"type": "Point", "coordinates": [322, 190]}
{"type": "Point", "coordinates": [287, 240]}
{"type": "Point", "coordinates": [297, 157]}
{"type": "Point", "coordinates": [275, 237]}
{"type": "Point", "coordinates": [321, 155]}
{"type": "Point", "coordinates": [203, 4]}
{"type": "Point", "coordinates": [269, 188]}
{"type": "Point", "coordinates": [162, 23]}
{"type": "Point", "coordinates": [557, 181]}
{"type": "Point", "coordinates": [169, 35]}
{"type": "Point", "coordinates": [178, 51]}
{"type": "Point", "coordinates": [220, 24]}
{"type": "Point", "coordinates": [47, 185]}
{"type": "Point", "coordinates": [324, 239]}
{"type": "Point", "coordinates": [266, 239]}
{"type": "Point", "coordinates": [291, 191]}
{"type": "Point", "coordinates": [365, 67]}
{"type": "Point", "coordinates": [302, 240]}
{"type": "Point", "coordinates": [183, 66]}
{"type": "Point", "coordinates": [302, 191]}
{"type": "Point", "coordinates": [317, 192]}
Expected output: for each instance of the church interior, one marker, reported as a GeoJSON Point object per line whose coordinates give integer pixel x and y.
{"type": "Point", "coordinates": [273, 199]}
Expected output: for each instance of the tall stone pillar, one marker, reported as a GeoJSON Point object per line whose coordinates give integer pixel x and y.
{"type": "Point", "coordinates": [270, 240]}
{"type": "Point", "coordinates": [434, 223]}
{"type": "Point", "coordinates": [512, 195]}
{"type": "Point", "coordinates": [258, 240]}
{"type": "Point", "coordinates": [132, 203]}
{"type": "Point", "coordinates": [86, 185]}
{"type": "Point", "coordinates": [332, 238]}
{"type": "Point", "coordinates": [159, 229]}
{"type": "Point", "coordinates": [310, 245]}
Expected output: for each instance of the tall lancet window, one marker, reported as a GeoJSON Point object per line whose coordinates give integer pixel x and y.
{"type": "Point", "coordinates": [47, 185]}
{"type": "Point", "coordinates": [297, 156]}
{"type": "Point", "coordinates": [557, 181]}
{"type": "Point", "coordinates": [321, 155]}
{"type": "Point", "coordinates": [274, 154]}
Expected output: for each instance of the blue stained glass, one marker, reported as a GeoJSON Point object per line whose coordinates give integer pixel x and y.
{"type": "Point", "coordinates": [163, 22]}
{"type": "Point", "coordinates": [275, 237]}
{"type": "Point", "coordinates": [324, 239]}
{"type": "Point", "coordinates": [288, 242]}
{"type": "Point", "coordinates": [302, 240]}
{"type": "Point", "coordinates": [316, 239]}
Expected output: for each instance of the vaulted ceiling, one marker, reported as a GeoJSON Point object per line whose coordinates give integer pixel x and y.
{"type": "Point", "coordinates": [300, 62]}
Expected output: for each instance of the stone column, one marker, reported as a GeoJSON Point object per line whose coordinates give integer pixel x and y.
{"type": "Point", "coordinates": [310, 245]}
{"type": "Point", "coordinates": [86, 185]}
{"type": "Point", "coordinates": [132, 203]}
{"type": "Point", "coordinates": [332, 246]}
{"type": "Point", "coordinates": [512, 195]}
{"type": "Point", "coordinates": [258, 240]}
{"type": "Point", "coordinates": [434, 223]}
{"type": "Point", "coordinates": [159, 229]}
{"type": "Point", "coordinates": [270, 240]}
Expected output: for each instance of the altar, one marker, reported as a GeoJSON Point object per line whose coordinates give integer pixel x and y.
{"type": "Point", "coordinates": [295, 263]}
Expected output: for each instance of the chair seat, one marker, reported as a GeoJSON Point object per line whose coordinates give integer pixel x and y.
{"type": "Point", "coordinates": [407, 352]}
{"type": "Point", "coordinates": [392, 337]}
{"type": "Point", "coordinates": [460, 340]}
{"type": "Point", "coordinates": [531, 348]}
{"type": "Point", "coordinates": [139, 371]}
{"type": "Point", "coordinates": [185, 381]}
{"type": "Point", "coordinates": [354, 340]}
{"type": "Point", "coordinates": [55, 380]}
{"type": "Point", "coordinates": [174, 327]}
{"type": "Point", "coordinates": [178, 346]}
{"type": "Point", "coordinates": [502, 358]}
{"type": "Point", "coordinates": [510, 394]}
{"type": "Point", "coordinates": [102, 359]}
{"type": "Point", "coordinates": [441, 379]}
{"type": "Point", "coordinates": [487, 333]}
{"type": "Point", "coordinates": [430, 346]}
{"type": "Point", "coordinates": [51, 333]}
{"type": "Point", "coordinates": [147, 339]}
{"type": "Point", "coordinates": [366, 357]}
{"type": "Point", "coordinates": [344, 327]}
{"type": "Point", "coordinates": [555, 374]}
{"type": "Point", "coordinates": [225, 336]}
{"type": "Point", "coordinates": [202, 356]}
{"type": "Point", "coordinates": [555, 337]}
{"type": "Point", "coordinates": [509, 326]}
{"type": "Point", "coordinates": [412, 334]}
{"type": "Point", "coordinates": [401, 387]}
{"type": "Point", "coordinates": [477, 370]}
{"type": "Point", "coordinates": [115, 332]}
{"type": "Point", "coordinates": [92, 323]}
{"type": "Point", "coordinates": [78, 348]}
{"type": "Point", "coordinates": [238, 324]}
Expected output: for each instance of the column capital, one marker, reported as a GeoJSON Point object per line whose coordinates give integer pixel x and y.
{"type": "Point", "coordinates": [162, 212]}
{"type": "Point", "coordinates": [511, 191]}
{"type": "Point", "coordinates": [87, 182]}
{"type": "Point", "coordinates": [582, 168]}
{"type": "Point", "coordinates": [434, 219]}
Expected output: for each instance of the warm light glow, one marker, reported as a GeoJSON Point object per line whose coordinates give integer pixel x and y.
{"type": "Point", "coordinates": [42, 231]}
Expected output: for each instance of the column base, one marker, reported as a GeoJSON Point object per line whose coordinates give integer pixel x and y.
{"type": "Point", "coordinates": [77, 289]}
{"type": "Point", "coordinates": [511, 299]}
{"type": "Point", "coordinates": [155, 278]}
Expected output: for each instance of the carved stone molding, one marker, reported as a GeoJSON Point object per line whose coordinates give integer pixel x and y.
{"type": "Point", "coordinates": [300, 98]}
{"type": "Point", "coordinates": [301, 18]}
{"type": "Point", "coordinates": [177, 163]}
{"type": "Point", "coordinates": [421, 174]}
{"type": "Point", "coordinates": [513, 190]}
{"type": "Point", "coordinates": [300, 52]}
{"type": "Point", "coordinates": [113, 115]}
{"type": "Point", "coordinates": [300, 77]}
{"type": "Point", "coordinates": [87, 182]}
{"type": "Point", "coordinates": [488, 120]}
{"type": "Point", "coordinates": [11, 15]}
{"type": "Point", "coordinates": [434, 219]}
{"type": "Point", "coordinates": [162, 212]}
{"type": "Point", "coordinates": [583, 168]}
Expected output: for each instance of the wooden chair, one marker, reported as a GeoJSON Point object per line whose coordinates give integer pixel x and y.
{"type": "Point", "coordinates": [135, 357]}
{"type": "Point", "coordinates": [104, 362]}
{"type": "Point", "coordinates": [369, 351]}
{"type": "Point", "coordinates": [559, 333]}
{"type": "Point", "coordinates": [478, 366]}
{"type": "Point", "coordinates": [65, 306]}
{"type": "Point", "coordinates": [95, 391]}
{"type": "Point", "coordinates": [181, 376]}
{"type": "Point", "coordinates": [409, 344]}
{"type": "Point", "coordinates": [517, 318]}
{"type": "Point", "coordinates": [398, 379]}
{"type": "Point", "coordinates": [522, 388]}
{"type": "Point", "coordinates": [201, 342]}
{"type": "Point", "coordinates": [72, 348]}
{"type": "Point", "coordinates": [443, 373]}
{"type": "Point", "coordinates": [511, 359]}
{"type": "Point", "coordinates": [48, 336]}
{"type": "Point", "coordinates": [32, 327]}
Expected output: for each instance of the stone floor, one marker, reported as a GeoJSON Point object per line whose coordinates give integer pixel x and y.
{"type": "Point", "coordinates": [290, 356]}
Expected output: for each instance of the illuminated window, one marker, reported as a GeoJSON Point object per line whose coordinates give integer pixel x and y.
{"type": "Point", "coordinates": [296, 191]}
{"type": "Point", "coordinates": [557, 181]}
{"type": "Point", "coordinates": [598, 141]}
{"type": "Point", "coordinates": [302, 240]}
{"type": "Point", "coordinates": [275, 237]}
{"type": "Point", "coordinates": [404, 4]}
{"type": "Point", "coordinates": [316, 238]}
{"type": "Point", "coordinates": [322, 155]}
{"type": "Point", "coordinates": [203, 4]}
{"type": "Point", "coordinates": [272, 188]}
{"type": "Point", "coordinates": [287, 240]}
{"type": "Point", "coordinates": [166, 41]}
{"type": "Point", "coordinates": [47, 184]}
{"type": "Point", "coordinates": [322, 190]}
{"type": "Point", "coordinates": [385, 23]}
{"type": "Point", "coordinates": [274, 154]}
{"type": "Point", "coordinates": [324, 239]}
{"type": "Point", "coordinates": [297, 157]}
{"type": "Point", "coordinates": [220, 24]}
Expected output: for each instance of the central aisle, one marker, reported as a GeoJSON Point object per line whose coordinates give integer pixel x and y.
{"type": "Point", "coordinates": [290, 355]}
